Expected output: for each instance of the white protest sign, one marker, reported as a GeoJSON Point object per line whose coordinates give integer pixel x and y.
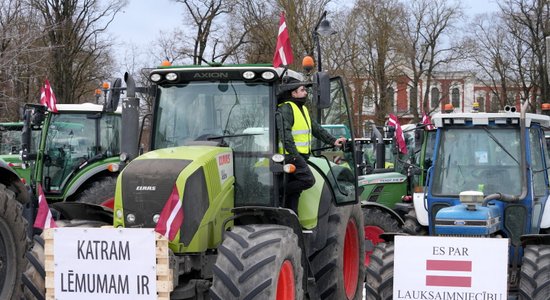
{"type": "Point", "coordinates": [450, 268]}
{"type": "Point", "coordinates": [104, 263]}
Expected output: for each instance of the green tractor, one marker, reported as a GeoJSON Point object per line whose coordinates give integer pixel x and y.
{"type": "Point", "coordinates": [10, 147]}
{"type": "Point", "coordinates": [214, 141]}
{"type": "Point", "coordinates": [387, 197]}
{"type": "Point", "coordinates": [78, 153]}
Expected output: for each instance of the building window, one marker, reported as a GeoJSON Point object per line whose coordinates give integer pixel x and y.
{"type": "Point", "coordinates": [435, 98]}
{"type": "Point", "coordinates": [495, 105]}
{"type": "Point", "coordinates": [481, 101]}
{"type": "Point", "coordinates": [455, 97]}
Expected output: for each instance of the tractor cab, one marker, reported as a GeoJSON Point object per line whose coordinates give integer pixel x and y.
{"type": "Point", "coordinates": [77, 142]}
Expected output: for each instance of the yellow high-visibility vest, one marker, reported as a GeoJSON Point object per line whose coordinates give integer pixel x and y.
{"type": "Point", "coordinates": [301, 129]}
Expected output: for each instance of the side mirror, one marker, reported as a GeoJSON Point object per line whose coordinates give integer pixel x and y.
{"type": "Point", "coordinates": [321, 90]}
{"type": "Point", "coordinates": [114, 96]}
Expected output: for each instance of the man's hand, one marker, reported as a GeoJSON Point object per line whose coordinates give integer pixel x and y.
{"type": "Point", "coordinates": [340, 142]}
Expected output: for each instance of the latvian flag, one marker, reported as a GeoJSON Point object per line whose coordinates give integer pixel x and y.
{"type": "Point", "coordinates": [449, 273]}
{"type": "Point", "coordinates": [44, 215]}
{"type": "Point", "coordinates": [171, 216]}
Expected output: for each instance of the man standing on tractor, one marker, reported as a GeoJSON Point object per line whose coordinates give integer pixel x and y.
{"type": "Point", "coordinates": [295, 135]}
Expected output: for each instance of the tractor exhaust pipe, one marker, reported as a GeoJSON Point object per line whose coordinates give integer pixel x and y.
{"type": "Point", "coordinates": [379, 147]}
{"type": "Point", "coordinates": [129, 143]}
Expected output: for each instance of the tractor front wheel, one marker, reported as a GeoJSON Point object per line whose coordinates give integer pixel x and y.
{"type": "Point", "coordinates": [534, 283]}
{"type": "Point", "coordinates": [100, 192]}
{"type": "Point", "coordinates": [376, 223]}
{"type": "Point", "coordinates": [379, 283]}
{"type": "Point", "coordinates": [13, 245]}
{"type": "Point", "coordinates": [339, 266]}
{"type": "Point", "coordinates": [258, 262]}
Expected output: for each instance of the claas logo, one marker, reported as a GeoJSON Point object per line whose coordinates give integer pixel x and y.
{"type": "Point", "coordinates": [224, 159]}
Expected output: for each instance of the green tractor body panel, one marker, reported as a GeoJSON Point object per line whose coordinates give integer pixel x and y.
{"type": "Point", "coordinates": [204, 179]}
{"type": "Point", "coordinates": [384, 188]}
{"type": "Point", "coordinates": [10, 147]}
{"type": "Point", "coordinates": [77, 143]}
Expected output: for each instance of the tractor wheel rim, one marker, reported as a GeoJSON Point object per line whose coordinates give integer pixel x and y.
{"type": "Point", "coordinates": [351, 259]}
{"type": "Point", "coordinates": [286, 289]}
{"type": "Point", "coordinates": [372, 233]}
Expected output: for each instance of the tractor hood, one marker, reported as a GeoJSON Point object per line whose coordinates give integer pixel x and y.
{"type": "Point", "coordinates": [146, 183]}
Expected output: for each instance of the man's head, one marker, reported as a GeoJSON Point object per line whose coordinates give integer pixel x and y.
{"type": "Point", "coordinates": [292, 88]}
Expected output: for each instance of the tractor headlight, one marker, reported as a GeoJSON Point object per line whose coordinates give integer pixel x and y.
{"type": "Point", "coordinates": [156, 218]}
{"type": "Point", "coordinates": [278, 158]}
{"type": "Point", "coordinates": [131, 218]}
{"type": "Point", "coordinates": [268, 75]}
{"type": "Point", "coordinates": [155, 77]}
{"type": "Point", "coordinates": [119, 213]}
{"type": "Point", "coordinates": [249, 75]}
{"type": "Point", "coordinates": [171, 76]}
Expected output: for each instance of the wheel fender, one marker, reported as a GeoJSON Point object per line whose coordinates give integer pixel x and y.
{"type": "Point", "coordinates": [10, 179]}
{"type": "Point", "coordinates": [77, 182]}
{"type": "Point", "coordinates": [419, 201]}
{"type": "Point", "coordinates": [385, 209]}
{"type": "Point", "coordinates": [545, 220]}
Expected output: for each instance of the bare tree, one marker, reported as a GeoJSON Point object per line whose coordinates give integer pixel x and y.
{"type": "Point", "coordinates": [427, 23]}
{"type": "Point", "coordinates": [78, 54]}
{"type": "Point", "coordinates": [527, 22]}
{"type": "Point", "coordinates": [489, 35]}
{"type": "Point", "coordinates": [377, 31]}
{"type": "Point", "coordinates": [213, 40]}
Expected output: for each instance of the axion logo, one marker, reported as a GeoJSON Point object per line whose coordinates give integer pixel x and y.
{"type": "Point", "coordinates": [211, 75]}
{"type": "Point", "coordinates": [146, 188]}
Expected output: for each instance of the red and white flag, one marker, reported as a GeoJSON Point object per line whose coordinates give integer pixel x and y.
{"type": "Point", "coordinates": [44, 217]}
{"type": "Point", "coordinates": [171, 216]}
{"type": "Point", "coordinates": [399, 137]}
{"type": "Point", "coordinates": [47, 97]}
{"type": "Point", "coordinates": [283, 51]}
{"type": "Point", "coordinates": [449, 273]}
{"type": "Point", "coordinates": [426, 120]}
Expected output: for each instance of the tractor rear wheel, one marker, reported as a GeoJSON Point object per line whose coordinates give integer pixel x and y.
{"type": "Point", "coordinates": [100, 192]}
{"type": "Point", "coordinates": [376, 223]}
{"type": "Point", "coordinates": [339, 266]}
{"type": "Point", "coordinates": [34, 277]}
{"type": "Point", "coordinates": [258, 262]}
{"type": "Point", "coordinates": [534, 283]}
{"type": "Point", "coordinates": [13, 245]}
{"type": "Point", "coordinates": [379, 283]}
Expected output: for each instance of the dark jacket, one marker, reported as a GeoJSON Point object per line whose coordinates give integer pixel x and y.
{"type": "Point", "coordinates": [288, 120]}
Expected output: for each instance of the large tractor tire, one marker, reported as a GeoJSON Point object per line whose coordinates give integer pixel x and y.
{"type": "Point", "coordinates": [379, 282]}
{"type": "Point", "coordinates": [258, 262]}
{"type": "Point", "coordinates": [13, 245]}
{"type": "Point", "coordinates": [100, 192]}
{"type": "Point", "coordinates": [339, 267]}
{"type": "Point", "coordinates": [376, 222]}
{"type": "Point", "coordinates": [34, 277]}
{"type": "Point", "coordinates": [534, 282]}
{"type": "Point", "coordinates": [412, 226]}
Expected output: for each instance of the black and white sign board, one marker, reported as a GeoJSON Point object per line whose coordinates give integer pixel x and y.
{"type": "Point", "coordinates": [104, 263]}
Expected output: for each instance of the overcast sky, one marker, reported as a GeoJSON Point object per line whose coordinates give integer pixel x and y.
{"type": "Point", "coordinates": [142, 20]}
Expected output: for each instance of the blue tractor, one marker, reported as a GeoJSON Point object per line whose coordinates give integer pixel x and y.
{"type": "Point", "coordinates": [489, 179]}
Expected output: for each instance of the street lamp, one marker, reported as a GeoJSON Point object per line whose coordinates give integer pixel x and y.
{"type": "Point", "coordinates": [322, 28]}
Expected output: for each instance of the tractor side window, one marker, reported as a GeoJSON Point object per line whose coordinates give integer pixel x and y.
{"type": "Point", "coordinates": [70, 142]}
{"type": "Point", "coordinates": [539, 172]}
{"type": "Point", "coordinates": [109, 127]}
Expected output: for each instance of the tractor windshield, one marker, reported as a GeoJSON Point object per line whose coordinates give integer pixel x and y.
{"type": "Point", "coordinates": [477, 159]}
{"type": "Point", "coordinates": [234, 113]}
{"type": "Point", "coordinates": [212, 111]}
